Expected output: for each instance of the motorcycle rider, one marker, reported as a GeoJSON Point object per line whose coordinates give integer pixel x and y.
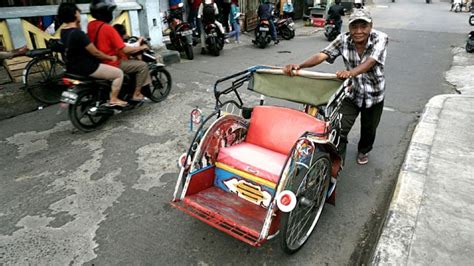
{"type": "Point", "coordinates": [207, 14]}
{"type": "Point", "coordinates": [335, 12]}
{"type": "Point", "coordinates": [107, 40]}
{"type": "Point", "coordinates": [265, 11]}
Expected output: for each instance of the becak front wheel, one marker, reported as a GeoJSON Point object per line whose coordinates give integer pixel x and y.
{"type": "Point", "coordinates": [310, 188]}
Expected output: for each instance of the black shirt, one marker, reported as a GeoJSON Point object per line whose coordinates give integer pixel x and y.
{"type": "Point", "coordinates": [78, 60]}
{"type": "Point", "coordinates": [265, 11]}
{"type": "Point", "coordinates": [335, 12]}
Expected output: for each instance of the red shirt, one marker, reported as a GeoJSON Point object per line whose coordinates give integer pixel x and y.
{"type": "Point", "coordinates": [108, 40]}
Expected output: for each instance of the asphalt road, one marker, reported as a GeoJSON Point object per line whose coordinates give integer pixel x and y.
{"type": "Point", "coordinates": [103, 197]}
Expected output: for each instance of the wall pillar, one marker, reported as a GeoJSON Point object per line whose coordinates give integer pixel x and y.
{"type": "Point", "coordinates": [16, 32]}
{"type": "Point", "coordinates": [150, 21]}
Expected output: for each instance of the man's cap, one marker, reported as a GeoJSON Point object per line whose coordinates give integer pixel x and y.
{"type": "Point", "coordinates": [360, 14]}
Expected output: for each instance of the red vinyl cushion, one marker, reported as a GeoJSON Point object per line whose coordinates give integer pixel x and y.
{"type": "Point", "coordinates": [253, 159]}
{"type": "Point", "coordinates": [277, 128]}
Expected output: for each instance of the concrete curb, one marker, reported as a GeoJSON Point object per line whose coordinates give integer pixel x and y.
{"type": "Point", "coordinates": [396, 238]}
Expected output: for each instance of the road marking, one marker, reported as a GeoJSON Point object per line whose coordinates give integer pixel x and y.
{"type": "Point", "coordinates": [381, 6]}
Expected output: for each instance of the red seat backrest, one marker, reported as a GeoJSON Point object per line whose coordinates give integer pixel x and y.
{"type": "Point", "coordinates": [277, 128]}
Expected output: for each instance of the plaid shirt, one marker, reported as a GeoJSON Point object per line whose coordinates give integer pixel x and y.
{"type": "Point", "coordinates": [368, 88]}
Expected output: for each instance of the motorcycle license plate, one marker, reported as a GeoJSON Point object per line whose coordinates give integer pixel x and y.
{"type": "Point", "coordinates": [264, 29]}
{"type": "Point", "coordinates": [186, 32]}
{"type": "Point", "coordinates": [69, 97]}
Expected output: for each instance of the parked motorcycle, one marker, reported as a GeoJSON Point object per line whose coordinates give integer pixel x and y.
{"type": "Point", "coordinates": [456, 6]}
{"type": "Point", "coordinates": [87, 97]}
{"type": "Point", "coordinates": [214, 38]}
{"type": "Point", "coordinates": [285, 28]}
{"type": "Point", "coordinates": [471, 18]}
{"type": "Point", "coordinates": [470, 42]}
{"type": "Point", "coordinates": [181, 33]}
{"type": "Point", "coordinates": [262, 34]}
{"type": "Point", "coordinates": [331, 31]}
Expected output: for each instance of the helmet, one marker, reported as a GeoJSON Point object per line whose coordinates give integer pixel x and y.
{"type": "Point", "coordinates": [102, 10]}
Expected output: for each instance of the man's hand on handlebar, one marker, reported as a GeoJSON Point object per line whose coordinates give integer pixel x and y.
{"type": "Point", "coordinates": [288, 69]}
{"type": "Point", "coordinates": [344, 74]}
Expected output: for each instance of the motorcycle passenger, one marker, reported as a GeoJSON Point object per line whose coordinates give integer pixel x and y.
{"type": "Point", "coordinates": [106, 38]}
{"type": "Point", "coordinates": [207, 14]}
{"type": "Point", "coordinates": [335, 12]}
{"type": "Point", "coordinates": [265, 12]}
{"type": "Point", "coordinates": [82, 57]}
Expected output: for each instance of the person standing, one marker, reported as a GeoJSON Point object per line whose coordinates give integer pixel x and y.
{"type": "Point", "coordinates": [226, 9]}
{"type": "Point", "coordinates": [265, 11]}
{"type": "Point", "coordinates": [335, 12]}
{"type": "Point", "coordinates": [234, 21]}
{"type": "Point", "coordinates": [193, 13]}
{"type": "Point", "coordinates": [363, 50]}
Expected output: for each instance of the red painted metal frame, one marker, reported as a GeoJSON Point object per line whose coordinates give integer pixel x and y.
{"type": "Point", "coordinates": [220, 220]}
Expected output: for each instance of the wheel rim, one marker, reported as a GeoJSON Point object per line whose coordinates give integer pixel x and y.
{"type": "Point", "coordinates": [81, 116]}
{"type": "Point", "coordinates": [311, 195]}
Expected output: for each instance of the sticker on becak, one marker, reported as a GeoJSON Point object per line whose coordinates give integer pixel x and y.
{"type": "Point", "coordinates": [304, 149]}
{"type": "Point", "coordinates": [249, 191]}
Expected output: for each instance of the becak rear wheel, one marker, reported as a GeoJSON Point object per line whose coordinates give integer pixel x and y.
{"type": "Point", "coordinates": [310, 188]}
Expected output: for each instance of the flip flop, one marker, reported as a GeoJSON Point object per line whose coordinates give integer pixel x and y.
{"type": "Point", "coordinates": [116, 105]}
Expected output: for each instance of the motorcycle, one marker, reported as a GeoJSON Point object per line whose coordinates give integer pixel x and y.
{"type": "Point", "coordinates": [86, 97]}
{"type": "Point", "coordinates": [285, 28]}
{"type": "Point", "coordinates": [457, 6]}
{"type": "Point", "coordinates": [331, 32]}
{"type": "Point", "coordinates": [262, 34]}
{"type": "Point", "coordinates": [470, 42]}
{"type": "Point", "coordinates": [181, 33]}
{"type": "Point", "coordinates": [214, 38]}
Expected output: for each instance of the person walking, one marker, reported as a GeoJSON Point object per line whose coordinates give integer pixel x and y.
{"type": "Point", "coordinates": [363, 50]}
{"type": "Point", "coordinates": [234, 21]}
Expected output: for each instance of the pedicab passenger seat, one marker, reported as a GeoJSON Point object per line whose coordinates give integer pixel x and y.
{"type": "Point", "coordinates": [271, 135]}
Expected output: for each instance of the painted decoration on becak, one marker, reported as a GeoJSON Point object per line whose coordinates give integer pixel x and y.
{"type": "Point", "coordinates": [227, 132]}
{"type": "Point", "coordinates": [304, 149]}
{"type": "Point", "coordinates": [248, 191]}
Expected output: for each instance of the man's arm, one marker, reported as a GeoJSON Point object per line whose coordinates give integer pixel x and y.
{"type": "Point", "coordinates": [310, 62]}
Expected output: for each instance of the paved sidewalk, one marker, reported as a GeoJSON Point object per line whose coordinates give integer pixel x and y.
{"type": "Point", "coordinates": [430, 218]}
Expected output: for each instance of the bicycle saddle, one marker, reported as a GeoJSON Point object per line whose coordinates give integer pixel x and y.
{"type": "Point", "coordinates": [38, 52]}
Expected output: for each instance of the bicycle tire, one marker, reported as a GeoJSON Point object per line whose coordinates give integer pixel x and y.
{"type": "Point", "coordinates": [42, 79]}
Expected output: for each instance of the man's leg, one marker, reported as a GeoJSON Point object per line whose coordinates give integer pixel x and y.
{"type": "Point", "coordinates": [349, 113]}
{"type": "Point", "coordinates": [273, 31]}
{"type": "Point", "coordinates": [369, 120]}
{"type": "Point", "coordinates": [142, 75]}
{"type": "Point", "coordinates": [203, 37]}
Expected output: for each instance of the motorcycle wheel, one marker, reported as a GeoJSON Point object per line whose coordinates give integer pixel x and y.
{"type": "Point", "coordinates": [188, 50]}
{"type": "Point", "coordinates": [261, 42]}
{"type": "Point", "coordinates": [215, 51]}
{"type": "Point", "coordinates": [310, 188]}
{"type": "Point", "coordinates": [160, 85]}
{"type": "Point", "coordinates": [469, 48]}
{"type": "Point", "coordinates": [471, 20]}
{"type": "Point", "coordinates": [286, 33]}
{"type": "Point", "coordinates": [292, 34]}
{"type": "Point", "coordinates": [79, 112]}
